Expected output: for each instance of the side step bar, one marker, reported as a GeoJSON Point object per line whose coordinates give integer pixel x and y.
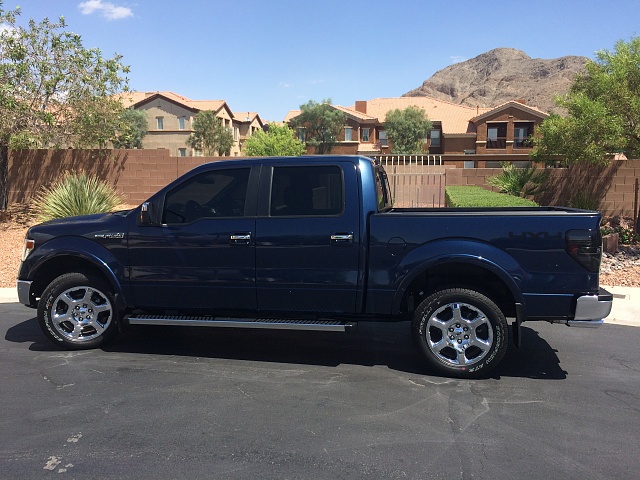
{"type": "Point", "coordinates": [266, 323]}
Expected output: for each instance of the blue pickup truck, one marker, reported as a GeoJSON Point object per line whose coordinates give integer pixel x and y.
{"type": "Point", "coordinates": [314, 243]}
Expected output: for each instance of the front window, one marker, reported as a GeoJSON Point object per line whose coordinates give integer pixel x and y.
{"type": "Point", "coordinates": [435, 138]}
{"type": "Point", "coordinates": [219, 193]}
{"type": "Point", "coordinates": [302, 135]}
{"type": "Point", "coordinates": [181, 123]}
{"type": "Point", "coordinates": [365, 134]}
{"type": "Point", "coordinates": [348, 134]}
{"type": "Point", "coordinates": [497, 135]}
{"type": "Point", "coordinates": [382, 136]}
{"type": "Point", "coordinates": [235, 133]}
{"type": "Point", "coordinates": [521, 133]}
{"type": "Point", "coordinates": [182, 152]}
{"type": "Point", "coordinates": [160, 123]}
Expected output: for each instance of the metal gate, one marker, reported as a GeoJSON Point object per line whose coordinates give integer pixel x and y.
{"type": "Point", "coordinates": [415, 181]}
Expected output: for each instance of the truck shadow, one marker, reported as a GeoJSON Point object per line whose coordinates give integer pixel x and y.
{"type": "Point", "coordinates": [371, 344]}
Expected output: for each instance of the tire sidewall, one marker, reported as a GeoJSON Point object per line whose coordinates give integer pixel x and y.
{"type": "Point", "coordinates": [497, 322]}
{"type": "Point", "coordinates": [51, 293]}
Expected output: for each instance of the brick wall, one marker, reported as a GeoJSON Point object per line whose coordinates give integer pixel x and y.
{"type": "Point", "coordinates": [136, 174]}
{"type": "Point", "coordinates": [614, 183]}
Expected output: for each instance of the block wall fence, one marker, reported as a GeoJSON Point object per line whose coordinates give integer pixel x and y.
{"type": "Point", "coordinates": [138, 174]}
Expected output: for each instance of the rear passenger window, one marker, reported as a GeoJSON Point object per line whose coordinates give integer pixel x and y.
{"type": "Point", "coordinates": [307, 191]}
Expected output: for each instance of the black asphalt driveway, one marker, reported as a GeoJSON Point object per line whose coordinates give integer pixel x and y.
{"type": "Point", "coordinates": [171, 403]}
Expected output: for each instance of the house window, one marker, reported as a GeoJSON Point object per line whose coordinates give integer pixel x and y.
{"type": "Point", "coordinates": [382, 136]}
{"type": "Point", "coordinates": [160, 123]}
{"type": "Point", "coordinates": [182, 152]}
{"type": "Point", "coordinates": [497, 135]}
{"type": "Point", "coordinates": [348, 134]}
{"type": "Point", "coordinates": [435, 138]}
{"type": "Point", "coordinates": [235, 133]}
{"type": "Point", "coordinates": [365, 134]}
{"type": "Point", "coordinates": [181, 123]}
{"type": "Point", "coordinates": [521, 133]}
{"type": "Point", "coordinates": [302, 134]}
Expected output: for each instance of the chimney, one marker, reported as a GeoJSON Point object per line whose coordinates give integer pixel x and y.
{"type": "Point", "coordinates": [361, 106]}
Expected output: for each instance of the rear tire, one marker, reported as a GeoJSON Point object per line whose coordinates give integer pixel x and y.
{"type": "Point", "coordinates": [77, 311]}
{"type": "Point", "coordinates": [460, 333]}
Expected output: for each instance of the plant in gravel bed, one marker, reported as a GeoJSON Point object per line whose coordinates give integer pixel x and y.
{"type": "Point", "coordinates": [76, 194]}
{"type": "Point", "coordinates": [623, 227]}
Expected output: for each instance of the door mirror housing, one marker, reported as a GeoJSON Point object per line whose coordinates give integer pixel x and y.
{"type": "Point", "coordinates": [147, 214]}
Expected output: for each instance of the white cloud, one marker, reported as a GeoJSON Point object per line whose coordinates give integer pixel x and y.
{"type": "Point", "coordinates": [285, 85]}
{"type": "Point", "coordinates": [106, 9]}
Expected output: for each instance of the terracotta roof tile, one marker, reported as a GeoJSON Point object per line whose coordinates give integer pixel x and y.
{"type": "Point", "coordinates": [453, 117]}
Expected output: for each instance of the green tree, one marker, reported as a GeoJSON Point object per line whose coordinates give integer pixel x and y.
{"type": "Point", "coordinates": [322, 124]}
{"type": "Point", "coordinates": [603, 108]}
{"type": "Point", "coordinates": [210, 135]}
{"type": "Point", "coordinates": [132, 129]}
{"type": "Point", "coordinates": [407, 130]}
{"type": "Point", "coordinates": [277, 141]}
{"type": "Point", "coordinates": [53, 90]}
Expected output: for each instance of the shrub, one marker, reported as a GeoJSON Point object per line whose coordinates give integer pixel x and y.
{"type": "Point", "coordinates": [586, 201]}
{"type": "Point", "coordinates": [470, 196]}
{"type": "Point", "coordinates": [519, 181]}
{"type": "Point", "coordinates": [76, 194]}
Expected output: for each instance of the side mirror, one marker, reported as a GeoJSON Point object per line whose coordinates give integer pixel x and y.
{"type": "Point", "coordinates": [147, 214]}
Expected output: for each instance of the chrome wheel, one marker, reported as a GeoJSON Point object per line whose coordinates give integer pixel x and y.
{"type": "Point", "coordinates": [78, 311]}
{"type": "Point", "coordinates": [81, 313]}
{"type": "Point", "coordinates": [459, 334]}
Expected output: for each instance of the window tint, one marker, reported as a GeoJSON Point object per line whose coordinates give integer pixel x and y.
{"type": "Point", "coordinates": [385, 202]}
{"type": "Point", "coordinates": [219, 193]}
{"type": "Point", "coordinates": [307, 191]}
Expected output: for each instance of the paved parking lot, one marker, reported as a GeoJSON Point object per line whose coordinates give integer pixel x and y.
{"type": "Point", "coordinates": [209, 403]}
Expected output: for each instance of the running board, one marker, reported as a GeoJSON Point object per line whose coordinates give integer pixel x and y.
{"type": "Point", "coordinates": [266, 323]}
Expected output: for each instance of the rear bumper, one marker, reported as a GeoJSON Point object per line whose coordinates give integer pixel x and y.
{"type": "Point", "coordinates": [591, 310]}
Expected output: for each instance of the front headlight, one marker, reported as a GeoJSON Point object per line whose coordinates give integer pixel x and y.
{"type": "Point", "coordinates": [27, 248]}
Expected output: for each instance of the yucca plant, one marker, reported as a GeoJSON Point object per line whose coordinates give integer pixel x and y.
{"type": "Point", "coordinates": [519, 181]}
{"type": "Point", "coordinates": [76, 194]}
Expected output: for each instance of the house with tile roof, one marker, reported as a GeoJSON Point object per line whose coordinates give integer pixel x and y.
{"type": "Point", "coordinates": [170, 120]}
{"type": "Point", "coordinates": [462, 136]}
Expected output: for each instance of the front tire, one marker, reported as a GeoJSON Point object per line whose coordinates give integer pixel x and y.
{"type": "Point", "coordinates": [460, 332]}
{"type": "Point", "coordinates": [78, 311]}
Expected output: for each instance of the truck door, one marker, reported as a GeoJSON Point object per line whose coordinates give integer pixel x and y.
{"type": "Point", "coordinates": [202, 256]}
{"type": "Point", "coordinates": [308, 239]}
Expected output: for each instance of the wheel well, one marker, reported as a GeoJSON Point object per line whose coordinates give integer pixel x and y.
{"type": "Point", "coordinates": [460, 275]}
{"type": "Point", "coordinates": [59, 266]}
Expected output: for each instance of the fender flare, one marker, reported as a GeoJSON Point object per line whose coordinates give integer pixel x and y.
{"type": "Point", "coordinates": [73, 246]}
{"type": "Point", "coordinates": [441, 252]}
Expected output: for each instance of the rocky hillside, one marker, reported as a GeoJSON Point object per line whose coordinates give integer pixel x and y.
{"type": "Point", "coordinates": [501, 75]}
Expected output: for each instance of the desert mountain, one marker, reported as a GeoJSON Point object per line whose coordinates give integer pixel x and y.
{"type": "Point", "coordinates": [501, 75]}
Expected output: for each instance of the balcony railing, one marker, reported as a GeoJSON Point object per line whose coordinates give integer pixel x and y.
{"type": "Point", "coordinates": [500, 142]}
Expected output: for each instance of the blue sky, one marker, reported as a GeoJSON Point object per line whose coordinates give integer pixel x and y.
{"type": "Point", "coordinates": [272, 56]}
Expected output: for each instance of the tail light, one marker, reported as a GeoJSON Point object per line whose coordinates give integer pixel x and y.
{"type": "Point", "coordinates": [586, 247]}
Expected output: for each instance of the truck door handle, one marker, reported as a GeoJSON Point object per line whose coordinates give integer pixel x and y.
{"type": "Point", "coordinates": [341, 237]}
{"type": "Point", "coordinates": [240, 238]}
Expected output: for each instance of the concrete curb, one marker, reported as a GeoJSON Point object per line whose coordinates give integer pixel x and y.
{"type": "Point", "coordinates": [625, 311]}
